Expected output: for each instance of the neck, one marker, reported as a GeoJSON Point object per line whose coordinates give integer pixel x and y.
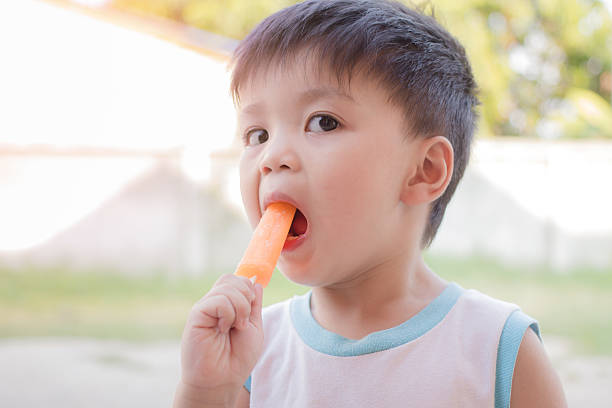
{"type": "Point", "coordinates": [378, 299]}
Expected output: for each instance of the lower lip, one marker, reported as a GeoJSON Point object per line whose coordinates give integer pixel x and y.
{"type": "Point", "coordinates": [291, 244]}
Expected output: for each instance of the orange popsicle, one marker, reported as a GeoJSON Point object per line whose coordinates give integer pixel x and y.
{"type": "Point", "coordinates": [267, 243]}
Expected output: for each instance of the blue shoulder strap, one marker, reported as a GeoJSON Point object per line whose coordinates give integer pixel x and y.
{"type": "Point", "coordinates": [507, 351]}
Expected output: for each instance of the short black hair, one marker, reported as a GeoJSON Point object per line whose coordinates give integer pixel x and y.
{"type": "Point", "coordinates": [423, 67]}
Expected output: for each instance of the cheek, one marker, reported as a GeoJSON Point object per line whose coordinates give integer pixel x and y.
{"type": "Point", "coordinates": [358, 187]}
{"type": "Point", "coordinates": [335, 182]}
{"type": "Point", "coordinates": [353, 171]}
{"type": "Point", "coordinates": [347, 188]}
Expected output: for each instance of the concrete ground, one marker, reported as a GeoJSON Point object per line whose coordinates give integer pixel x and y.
{"type": "Point", "coordinates": [88, 373]}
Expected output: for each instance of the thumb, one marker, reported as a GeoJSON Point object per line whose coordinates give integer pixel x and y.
{"type": "Point", "coordinates": [256, 306]}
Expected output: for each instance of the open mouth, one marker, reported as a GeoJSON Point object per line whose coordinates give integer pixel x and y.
{"type": "Point", "coordinates": [298, 226]}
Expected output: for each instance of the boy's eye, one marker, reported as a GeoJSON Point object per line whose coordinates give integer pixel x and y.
{"type": "Point", "coordinates": [322, 123]}
{"type": "Point", "coordinates": [256, 136]}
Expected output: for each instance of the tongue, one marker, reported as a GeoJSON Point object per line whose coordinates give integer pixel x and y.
{"type": "Point", "coordinates": [299, 223]}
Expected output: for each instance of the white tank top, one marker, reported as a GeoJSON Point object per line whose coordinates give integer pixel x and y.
{"type": "Point", "coordinates": [459, 351]}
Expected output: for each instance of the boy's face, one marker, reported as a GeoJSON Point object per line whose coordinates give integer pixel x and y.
{"type": "Point", "coordinates": [341, 156]}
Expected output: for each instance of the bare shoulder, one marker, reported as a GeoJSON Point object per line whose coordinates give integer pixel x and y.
{"type": "Point", "coordinates": [535, 383]}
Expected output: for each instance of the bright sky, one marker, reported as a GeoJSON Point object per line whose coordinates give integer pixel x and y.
{"type": "Point", "coordinates": [71, 80]}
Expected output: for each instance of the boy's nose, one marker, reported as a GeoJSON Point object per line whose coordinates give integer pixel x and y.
{"type": "Point", "coordinates": [279, 155]}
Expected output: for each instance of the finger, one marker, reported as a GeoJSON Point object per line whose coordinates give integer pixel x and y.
{"type": "Point", "coordinates": [240, 281]}
{"type": "Point", "coordinates": [230, 282]}
{"type": "Point", "coordinates": [216, 310]}
{"type": "Point", "coordinates": [245, 286]}
{"type": "Point", "coordinates": [256, 306]}
{"type": "Point", "coordinates": [242, 308]}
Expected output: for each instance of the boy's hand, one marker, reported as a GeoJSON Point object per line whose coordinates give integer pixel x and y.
{"type": "Point", "coordinates": [222, 340]}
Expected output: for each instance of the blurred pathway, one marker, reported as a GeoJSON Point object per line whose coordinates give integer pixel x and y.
{"type": "Point", "coordinates": [76, 373]}
{"type": "Point", "coordinates": [87, 373]}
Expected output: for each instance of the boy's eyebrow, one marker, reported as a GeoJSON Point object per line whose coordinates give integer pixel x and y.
{"type": "Point", "coordinates": [306, 97]}
{"type": "Point", "coordinates": [316, 93]}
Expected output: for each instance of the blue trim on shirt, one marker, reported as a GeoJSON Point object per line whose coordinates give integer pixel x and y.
{"type": "Point", "coordinates": [333, 344]}
{"type": "Point", "coordinates": [247, 384]}
{"type": "Point", "coordinates": [507, 351]}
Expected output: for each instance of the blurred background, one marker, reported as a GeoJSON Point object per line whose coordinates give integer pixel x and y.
{"type": "Point", "coordinates": [120, 204]}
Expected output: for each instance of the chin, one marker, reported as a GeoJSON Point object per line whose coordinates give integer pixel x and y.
{"type": "Point", "coordinates": [298, 277]}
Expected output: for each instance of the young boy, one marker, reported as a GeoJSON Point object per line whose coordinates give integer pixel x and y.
{"type": "Point", "coordinates": [361, 115]}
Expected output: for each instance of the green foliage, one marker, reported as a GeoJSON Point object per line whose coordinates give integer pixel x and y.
{"type": "Point", "coordinates": [527, 56]}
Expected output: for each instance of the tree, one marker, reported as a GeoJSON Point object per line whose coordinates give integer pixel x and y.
{"type": "Point", "coordinates": [543, 66]}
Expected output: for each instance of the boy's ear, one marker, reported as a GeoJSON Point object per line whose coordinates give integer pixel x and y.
{"type": "Point", "coordinates": [430, 173]}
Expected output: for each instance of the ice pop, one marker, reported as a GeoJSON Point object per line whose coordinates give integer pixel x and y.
{"type": "Point", "coordinates": [267, 243]}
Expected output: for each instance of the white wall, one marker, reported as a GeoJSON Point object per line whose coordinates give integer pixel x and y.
{"type": "Point", "coordinates": [528, 201]}
{"type": "Point", "coordinates": [157, 222]}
